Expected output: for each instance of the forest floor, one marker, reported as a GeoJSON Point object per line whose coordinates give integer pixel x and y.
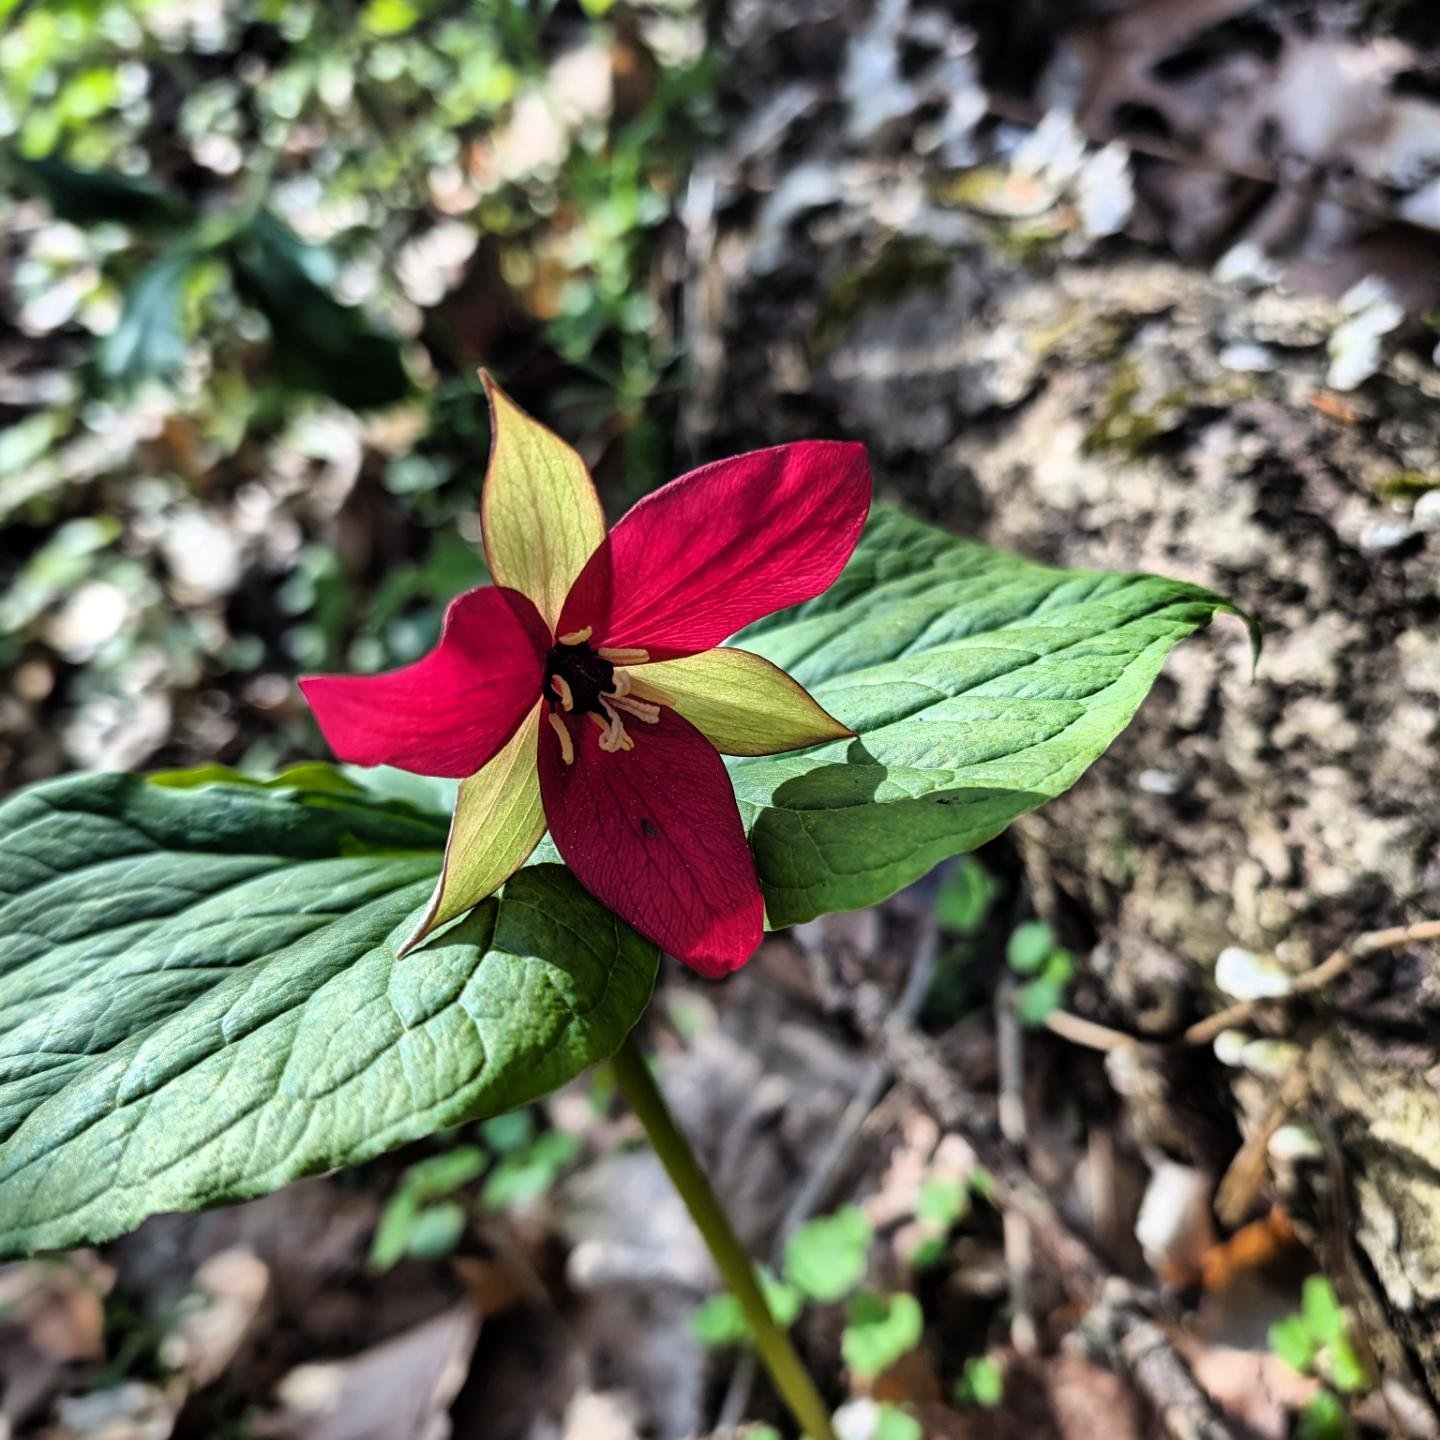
{"type": "Point", "coordinates": [1010, 1173]}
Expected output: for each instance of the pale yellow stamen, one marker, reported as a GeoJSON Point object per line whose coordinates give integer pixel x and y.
{"type": "Point", "coordinates": [577, 637]}
{"type": "Point", "coordinates": [622, 655]}
{"type": "Point", "coordinates": [640, 709]}
{"type": "Point", "coordinates": [567, 749]}
{"type": "Point", "coordinates": [614, 737]}
{"type": "Point", "coordinates": [561, 687]}
{"type": "Point", "coordinates": [644, 690]}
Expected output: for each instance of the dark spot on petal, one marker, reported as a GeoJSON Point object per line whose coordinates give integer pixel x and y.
{"type": "Point", "coordinates": [648, 830]}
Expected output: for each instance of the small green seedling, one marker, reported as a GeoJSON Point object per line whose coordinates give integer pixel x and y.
{"type": "Point", "coordinates": [826, 1258]}
{"type": "Point", "coordinates": [1032, 952]}
{"type": "Point", "coordinates": [879, 1330]}
{"type": "Point", "coordinates": [982, 1383]}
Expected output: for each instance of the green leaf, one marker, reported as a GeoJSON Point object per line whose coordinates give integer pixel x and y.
{"type": "Point", "coordinates": [966, 897]}
{"type": "Point", "coordinates": [1320, 1307]}
{"type": "Point", "coordinates": [1345, 1369]}
{"type": "Point", "coordinates": [979, 686]}
{"type": "Point", "coordinates": [982, 1383]}
{"type": "Point", "coordinates": [894, 1424]}
{"type": "Point", "coordinates": [438, 1176]}
{"type": "Point", "coordinates": [1324, 1418]}
{"type": "Point", "coordinates": [1036, 1000]}
{"type": "Point", "coordinates": [523, 1176]}
{"type": "Point", "coordinates": [93, 197]}
{"type": "Point", "coordinates": [719, 1321]}
{"type": "Point", "coordinates": [200, 998]}
{"type": "Point", "coordinates": [1029, 947]}
{"type": "Point", "coordinates": [826, 1257]}
{"type": "Point", "coordinates": [437, 1230]}
{"type": "Point", "coordinates": [1291, 1340]}
{"type": "Point", "coordinates": [320, 345]}
{"type": "Point", "coordinates": [943, 1200]}
{"type": "Point", "coordinates": [509, 1132]}
{"type": "Point", "coordinates": [880, 1330]}
{"type": "Point", "coordinates": [148, 341]}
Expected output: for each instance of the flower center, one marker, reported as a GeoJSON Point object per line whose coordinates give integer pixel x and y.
{"type": "Point", "coordinates": [577, 674]}
{"type": "Point", "coordinates": [581, 680]}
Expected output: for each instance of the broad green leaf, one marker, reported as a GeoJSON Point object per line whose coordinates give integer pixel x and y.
{"type": "Point", "coordinates": [200, 997]}
{"type": "Point", "coordinates": [979, 686]}
{"type": "Point", "coordinates": [741, 703]}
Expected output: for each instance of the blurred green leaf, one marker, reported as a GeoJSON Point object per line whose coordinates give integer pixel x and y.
{"type": "Point", "coordinates": [319, 344]}
{"type": "Point", "coordinates": [437, 1230]}
{"type": "Point", "coordinates": [524, 1175]}
{"type": "Point", "coordinates": [1324, 1418]}
{"type": "Point", "coordinates": [720, 1320]}
{"type": "Point", "coordinates": [1291, 1340]}
{"type": "Point", "coordinates": [1030, 946]}
{"type": "Point", "coordinates": [826, 1257]}
{"type": "Point", "coordinates": [965, 897]}
{"type": "Point", "coordinates": [1035, 1001]}
{"type": "Point", "coordinates": [892, 1423]}
{"type": "Point", "coordinates": [93, 197]}
{"type": "Point", "coordinates": [509, 1132]}
{"type": "Point", "coordinates": [943, 1200]}
{"type": "Point", "coordinates": [1322, 1312]}
{"type": "Point", "coordinates": [389, 17]}
{"type": "Point", "coordinates": [1344, 1368]}
{"type": "Point", "coordinates": [880, 1329]}
{"type": "Point", "coordinates": [982, 1383]}
{"type": "Point", "coordinates": [148, 341]}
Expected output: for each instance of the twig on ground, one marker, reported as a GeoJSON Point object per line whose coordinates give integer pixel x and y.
{"type": "Point", "coordinates": [1093, 1036]}
{"type": "Point", "coordinates": [1325, 973]}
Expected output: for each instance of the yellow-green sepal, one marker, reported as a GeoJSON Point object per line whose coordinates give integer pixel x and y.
{"type": "Point", "coordinates": [539, 512]}
{"type": "Point", "coordinates": [497, 824]}
{"type": "Point", "coordinates": [741, 703]}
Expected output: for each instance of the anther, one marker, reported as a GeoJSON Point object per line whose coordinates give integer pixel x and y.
{"type": "Point", "coordinates": [567, 748]}
{"type": "Point", "coordinates": [577, 637]}
{"type": "Point", "coordinates": [640, 709]}
{"type": "Point", "coordinates": [561, 686]}
{"type": "Point", "coordinates": [619, 655]}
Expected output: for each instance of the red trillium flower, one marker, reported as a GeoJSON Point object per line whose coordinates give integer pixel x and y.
{"type": "Point", "coordinates": [588, 690]}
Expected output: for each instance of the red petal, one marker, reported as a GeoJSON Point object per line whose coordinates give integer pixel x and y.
{"type": "Point", "coordinates": [449, 712]}
{"type": "Point", "coordinates": [654, 834]}
{"type": "Point", "coordinates": [708, 553]}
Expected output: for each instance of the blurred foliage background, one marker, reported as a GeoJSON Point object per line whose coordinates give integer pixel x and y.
{"type": "Point", "coordinates": [254, 253]}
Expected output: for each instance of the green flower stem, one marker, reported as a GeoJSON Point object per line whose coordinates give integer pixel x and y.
{"type": "Point", "coordinates": [777, 1354]}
